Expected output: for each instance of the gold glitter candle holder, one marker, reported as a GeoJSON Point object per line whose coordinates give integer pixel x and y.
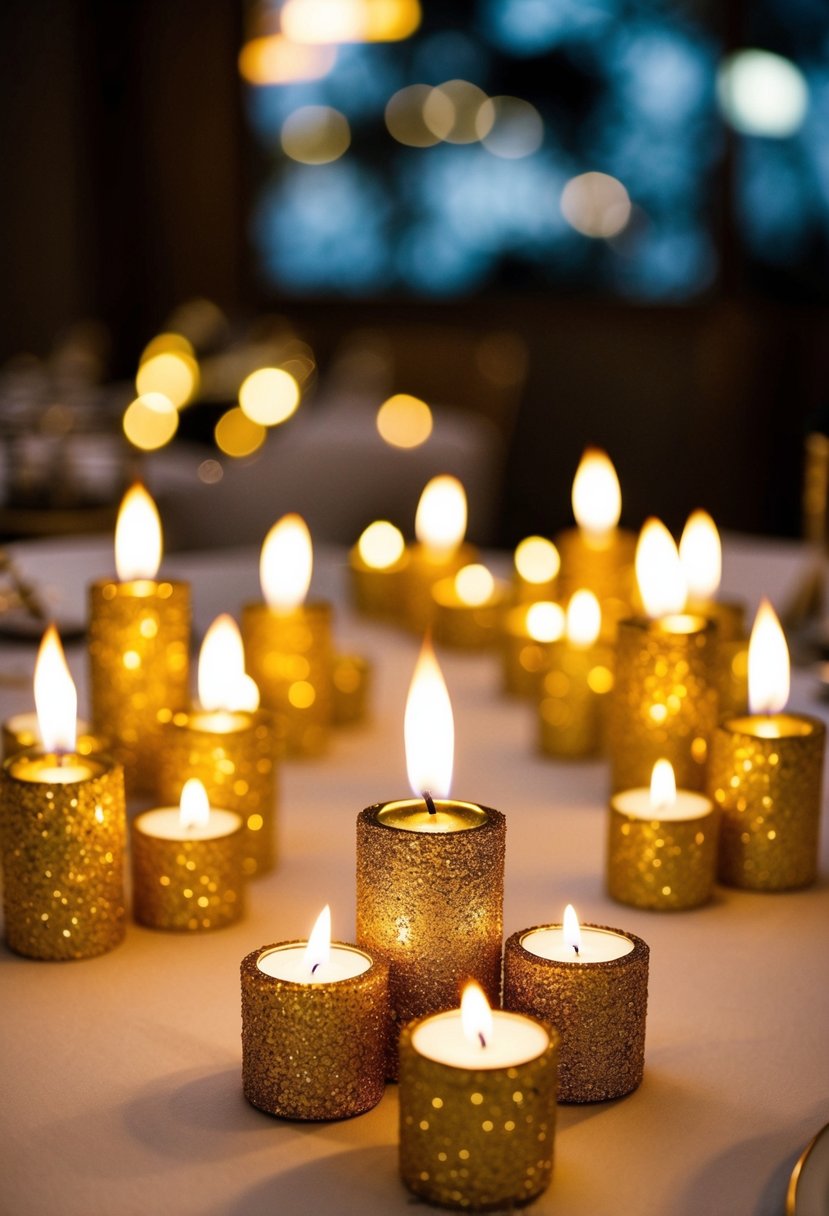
{"type": "Point", "coordinates": [598, 1008]}
{"type": "Point", "coordinates": [460, 626]}
{"type": "Point", "coordinates": [605, 567]}
{"type": "Point", "coordinates": [378, 592]}
{"type": "Point", "coordinates": [289, 655]}
{"type": "Point", "coordinates": [63, 846]}
{"type": "Point", "coordinates": [572, 709]}
{"type": "Point", "coordinates": [765, 776]}
{"type": "Point", "coordinates": [731, 666]}
{"type": "Point", "coordinates": [313, 1051]}
{"type": "Point", "coordinates": [351, 681]}
{"type": "Point", "coordinates": [663, 860]}
{"type": "Point", "coordinates": [234, 755]}
{"type": "Point", "coordinates": [139, 637]}
{"type": "Point", "coordinates": [431, 906]}
{"type": "Point", "coordinates": [524, 658]}
{"type": "Point", "coordinates": [664, 701]}
{"type": "Point", "coordinates": [21, 734]}
{"type": "Point", "coordinates": [425, 568]}
{"type": "Point", "coordinates": [187, 885]}
{"type": "Point", "coordinates": [479, 1139]}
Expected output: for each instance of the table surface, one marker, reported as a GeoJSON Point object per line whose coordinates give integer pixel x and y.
{"type": "Point", "coordinates": [121, 1074]}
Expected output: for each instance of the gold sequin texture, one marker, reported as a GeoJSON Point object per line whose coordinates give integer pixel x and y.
{"type": "Point", "coordinates": [377, 593]}
{"type": "Point", "coordinates": [461, 626]}
{"type": "Point", "coordinates": [431, 906]}
{"type": "Point", "coordinates": [477, 1139]}
{"type": "Point", "coordinates": [603, 567]}
{"type": "Point", "coordinates": [187, 886]}
{"type": "Point", "coordinates": [574, 696]}
{"type": "Point", "coordinates": [290, 657]}
{"type": "Point", "coordinates": [661, 863]}
{"type": "Point", "coordinates": [731, 663]}
{"type": "Point", "coordinates": [351, 681]}
{"type": "Point", "coordinates": [524, 660]}
{"type": "Point", "coordinates": [424, 569]}
{"type": "Point", "coordinates": [63, 860]}
{"type": "Point", "coordinates": [769, 793]}
{"type": "Point", "coordinates": [237, 768]}
{"type": "Point", "coordinates": [599, 1009]}
{"type": "Point", "coordinates": [664, 703]}
{"type": "Point", "coordinates": [313, 1051]}
{"type": "Point", "coordinates": [139, 637]}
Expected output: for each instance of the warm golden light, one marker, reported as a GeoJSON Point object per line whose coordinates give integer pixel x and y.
{"type": "Point", "coordinates": [315, 135]}
{"type": "Point", "coordinates": [194, 807]}
{"type": "Point", "coordinates": [286, 563]}
{"type": "Point", "coordinates": [56, 699]}
{"type": "Point", "coordinates": [163, 344]}
{"type": "Point", "coordinates": [596, 497]}
{"type": "Point", "coordinates": [451, 112]}
{"type": "Point", "coordinates": [583, 621]}
{"type": "Point", "coordinates": [476, 1015]}
{"type": "Point", "coordinates": [663, 786]}
{"type": "Point", "coordinates": [174, 373]}
{"type": "Point", "coordinates": [150, 421]}
{"type": "Point", "coordinates": [537, 560]}
{"type": "Point", "coordinates": [440, 522]}
{"type": "Point", "coordinates": [381, 545]}
{"type": "Point", "coordinates": [236, 435]}
{"type": "Point", "coordinates": [474, 585]}
{"type": "Point", "coordinates": [274, 59]}
{"type": "Point", "coordinates": [325, 21]}
{"type": "Point", "coordinates": [404, 117]}
{"type": "Point", "coordinates": [318, 949]}
{"type": "Point", "coordinates": [429, 728]}
{"type": "Point", "coordinates": [138, 544]}
{"type": "Point", "coordinates": [769, 668]}
{"type": "Point", "coordinates": [659, 572]}
{"type": "Point", "coordinates": [596, 205]}
{"type": "Point", "coordinates": [545, 621]}
{"type": "Point", "coordinates": [700, 552]}
{"type": "Point", "coordinates": [404, 421]}
{"type": "Point", "coordinates": [269, 396]}
{"type": "Point", "coordinates": [223, 682]}
{"type": "Point", "coordinates": [571, 930]}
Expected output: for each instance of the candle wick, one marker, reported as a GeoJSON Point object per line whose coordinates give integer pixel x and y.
{"type": "Point", "coordinates": [313, 969]}
{"type": "Point", "coordinates": [430, 803]}
{"type": "Point", "coordinates": [576, 949]}
{"type": "Point", "coordinates": [482, 1039]}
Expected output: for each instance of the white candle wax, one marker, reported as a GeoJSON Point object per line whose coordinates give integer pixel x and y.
{"type": "Point", "coordinates": [290, 963]}
{"type": "Point", "coordinates": [638, 804]}
{"type": "Point", "coordinates": [597, 945]}
{"type": "Point", "coordinates": [515, 1039]}
{"type": "Point", "coordinates": [165, 824]}
{"type": "Point", "coordinates": [60, 774]}
{"type": "Point", "coordinates": [218, 721]}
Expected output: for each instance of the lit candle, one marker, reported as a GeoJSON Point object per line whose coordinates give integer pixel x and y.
{"type": "Point", "coordinates": [467, 609]}
{"type": "Point", "coordinates": [139, 635]}
{"type": "Point", "coordinates": [21, 733]}
{"type": "Point", "coordinates": [766, 775]}
{"type": "Point", "coordinates": [529, 630]}
{"type": "Point", "coordinates": [377, 564]}
{"type": "Point", "coordinates": [288, 640]}
{"type": "Point", "coordinates": [440, 552]}
{"type": "Point", "coordinates": [63, 833]}
{"type": "Point", "coordinates": [430, 871]}
{"type": "Point", "coordinates": [662, 845]}
{"type": "Point", "coordinates": [537, 565]}
{"type": "Point", "coordinates": [314, 1027]}
{"type": "Point", "coordinates": [571, 711]}
{"type": "Point", "coordinates": [227, 742]}
{"type": "Point", "coordinates": [477, 1106]}
{"type": "Point", "coordinates": [664, 701]}
{"type": "Point", "coordinates": [591, 983]}
{"type": "Point", "coordinates": [187, 865]}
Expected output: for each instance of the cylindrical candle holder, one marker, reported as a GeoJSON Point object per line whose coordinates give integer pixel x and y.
{"type": "Point", "coordinates": [731, 665]}
{"type": "Point", "coordinates": [425, 568]}
{"type": "Point", "coordinates": [378, 591]}
{"type": "Point", "coordinates": [351, 680]}
{"type": "Point", "coordinates": [765, 776]}
{"type": "Point", "coordinates": [187, 885]}
{"type": "Point", "coordinates": [430, 903]}
{"type": "Point", "coordinates": [664, 701]}
{"type": "Point", "coordinates": [462, 626]}
{"type": "Point", "coordinates": [598, 1008]}
{"type": "Point", "coordinates": [572, 709]}
{"type": "Point", "coordinates": [21, 734]}
{"type": "Point", "coordinates": [665, 858]}
{"type": "Point", "coordinates": [477, 1138]}
{"type": "Point", "coordinates": [63, 841]}
{"type": "Point", "coordinates": [604, 565]}
{"type": "Point", "coordinates": [314, 1050]}
{"type": "Point", "coordinates": [139, 635]}
{"type": "Point", "coordinates": [289, 655]}
{"type": "Point", "coordinates": [234, 755]}
{"type": "Point", "coordinates": [526, 657]}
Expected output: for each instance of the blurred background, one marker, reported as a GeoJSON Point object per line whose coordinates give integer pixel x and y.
{"type": "Point", "coordinates": [554, 222]}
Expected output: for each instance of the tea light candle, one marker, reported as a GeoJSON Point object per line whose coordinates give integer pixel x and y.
{"type": "Point", "coordinates": [377, 566]}
{"type": "Point", "coordinates": [662, 845]}
{"type": "Point", "coordinates": [766, 775]}
{"type": "Point", "coordinates": [477, 1106]}
{"type": "Point", "coordinates": [536, 564]}
{"type": "Point", "coordinates": [21, 733]}
{"type": "Point", "coordinates": [571, 711]}
{"type": "Point", "coordinates": [430, 872]}
{"type": "Point", "coordinates": [288, 641]}
{"type": "Point", "coordinates": [187, 865]}
{"type": "Point", "coordinates": [440, 552]}
{"type": "Point", "coordinates": [591, 983]}
{"type": "Point", "coordinates": [467, 609]}
{"type": "Point", "coordinates": [139, 634]}
{"type": "Point", "coordinates": [529, 631]}
{"type": "Point", "coordinates": [314, 1026]}
{"type": "Point", "coordinates": [64, 830]}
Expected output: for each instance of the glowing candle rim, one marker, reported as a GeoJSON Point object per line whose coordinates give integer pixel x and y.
{"type": "Point", "coordinates": [638, 951]}
{"type": "Point", "coordinates": [487, 815]}
{"type": "Point", "coordinates": [502, 1016]}
{"type": "Point", "coordinates": [98, 765]}
{"type": "Point", "coordinates": [320, 986]}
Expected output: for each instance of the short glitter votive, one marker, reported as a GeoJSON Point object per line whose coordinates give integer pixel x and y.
{"type": "Point", "coordinates": [187, 885]}
{"type": "Point", "coordinates": [765, 775]}
{"type": "Point", "coordinates": [479, 1139]}
{"type": "Point", "coordinates": [63, 844]}
{"type": "Point", "coordinates": [234, 755]}
{"type": "Point", "coordinates": [351, 681]}
{"type": "Point", "coordinates": [425, 568]}
{"type": "Point", "coordinates": [461, 626]}
{"type": "Point", "coordinates": [598, 1008]}
{"type": "Point", "coordinates": [139, 635]}
{"type": "Point", "coordinates": [524, 658]}
{"type": "Point", "coordinates": [378, 592]}
{"type": "Point", "coordinates": [316, 1050]}
{"type": "Point", "coordinates": [289, 655]}
{"type": "Point", "coordinates": [604, 566]}
{"type": "Point", "coordinates": [572, 709]}
{"type": "Point", "coordinates": [664, 701]}
{"type": "Point", "coordinates": [431, 905]}
{"type": "Point", "coordinates": [21, 733]}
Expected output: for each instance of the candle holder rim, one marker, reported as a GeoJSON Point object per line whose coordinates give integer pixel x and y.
{"type": "Point", "coordinates": [553, 1042]}
{"type": "Point", "coordinates": [656, 818]}
{"type": "Point", "coordinates": [706, 628]}
{"type": "Point", "coordinates": [357, 562]}
{"type": "Point", "coordinates": [493, 818]}
{"type": "Point", "coordinates": [316, 606]}
{"type": "Point", "coordinates": [818, 726]}
{"type": "Point", "coordinates": [103, 762]}
{"type": "Point", "coordinates": [639, 953]}
{"type": "Point", "coordinates": [249, 967]}
{"type": "Point", "coordinates": [152, 584]}
{"type": "Point", "coordinates": [240, 827]}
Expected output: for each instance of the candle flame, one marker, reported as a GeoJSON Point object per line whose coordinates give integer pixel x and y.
{"type": "Point", "coordinates": [474, 585]}
{"type": "Point", "coordinates": [194, 806]}
{"type": "Point", "coordinates": [56, 699]}
{"type": "Point", "coordinates": [318, 949]}
{"type": "Point", "coordinates": [663, 786]}
{"type": "Point", "coordinates": [700, 552]}
{"type": "Point", "coordinates": [223, 683]}
{"type": "Point", "coordinates": [440, 522]}
{"type": "Point", "coordinates": [381, 545]}
{"type": "Point", "coordinates": [476, 1015]}
{"type": "Point", "coordinates": [286, 563]}
{"type": "Point", "coordinates": [571, 930]}
{"type": "Point", "coordinates": [583, 619]}
{"type": "Point", "coordinates": [429, 728]}
{"type": "Point", "coordinates": [768, 663]}
{"type": "Point", "coordinates": [138, 543]}
{"type": "Point", "coordinates": [537, 560]}
{"type": "Point", "coordinates": [659, 571]}
{"type": "Point", "coordinates": [545, 621]}
{"type": "Point", "coordinates": [597, 498]}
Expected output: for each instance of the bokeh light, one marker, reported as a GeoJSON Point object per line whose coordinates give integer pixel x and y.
{"type": "Point", "coordinates": [404, 117]}
{"type": "Point", "coordinates": [236, 435]}
{"type": "Point", "coordinates": [326, 21]}
{"type": "Point", "coordinates": [596, 205]}
{"type": "Point", "coordinates": [381, 544]}
{"type": "Point", "coordinates": [275, 59]}
{"type": "Point", "coordinates": [545, 621]}
{"type": "Point", "coordinates": [173, 373]}
{"type": "Point", "coordinates": [509, 127]}
{"type": "Point", "coordinates": [537, 560]}
{"type": "Point", "coordinates": [269, 396]}
{"type": "Point", "coordinates": [404, 421]}
{"type": "Point", "coordinates": [315, 135]}
{"type": "Point", "coordinates": [451, 112]}
{"type": "Point", "coordinates": [150, 421]}
{"type": "Point", "coordinates": [762, 94]}
{"type": "Point", "coordinates": [474, 585]}
{"type": "Point", "coordinates": [164, 344]}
